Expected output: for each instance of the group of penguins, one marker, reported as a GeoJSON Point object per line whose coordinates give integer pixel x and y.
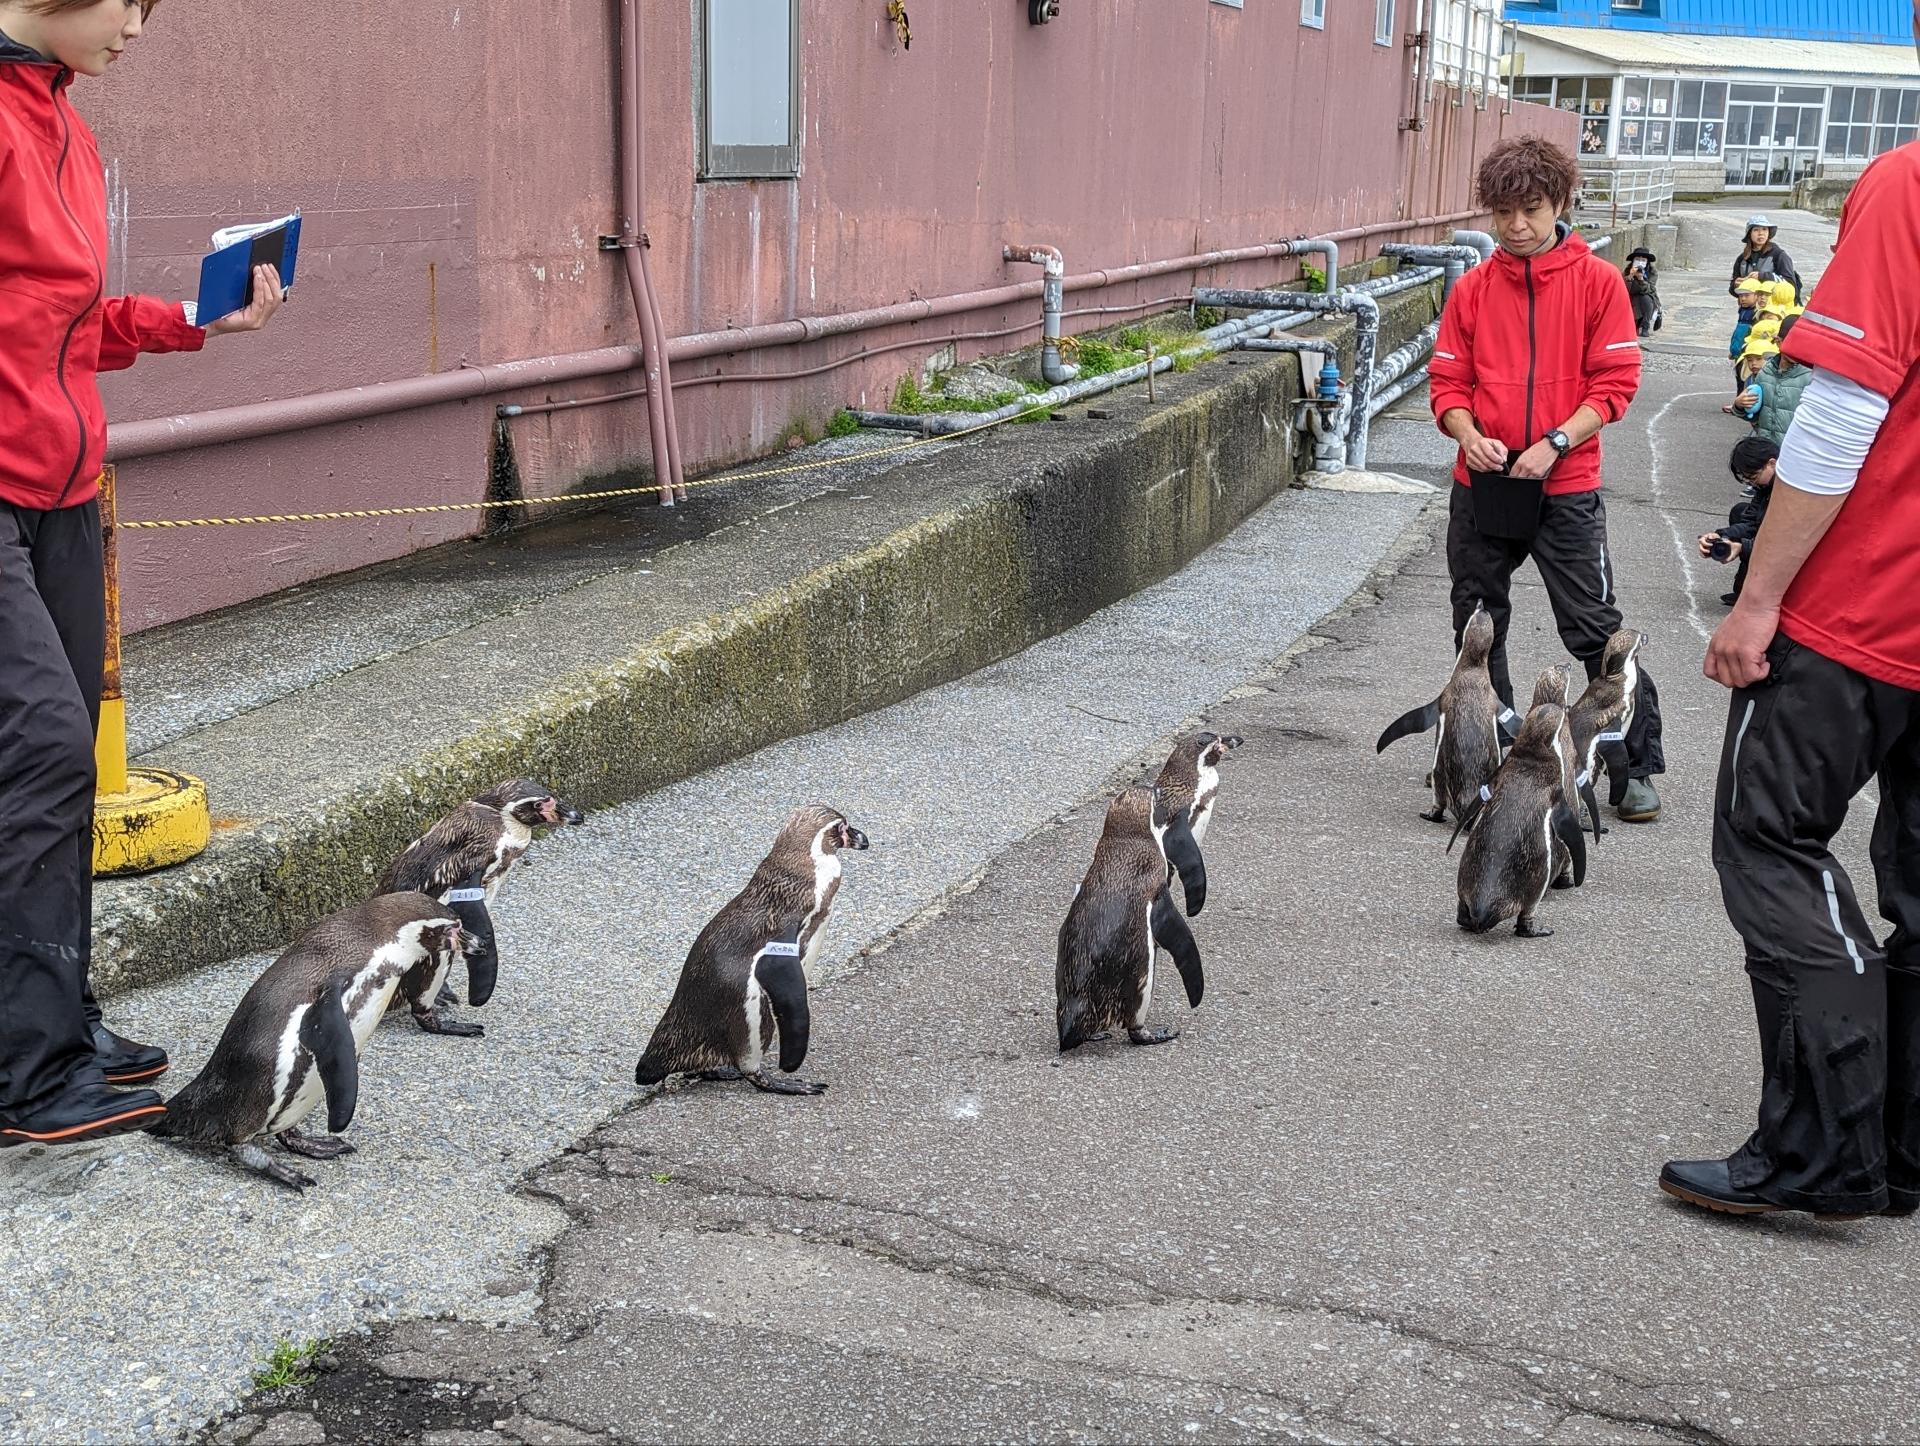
{"type": "Point", "coordinates": [296, 1038]}
{"type": "Point", "coordinates": [1516, 792]}
{"type": "Point", "coordinates": [298, 1033]}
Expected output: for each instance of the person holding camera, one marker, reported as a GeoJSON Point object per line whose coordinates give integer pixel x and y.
{"type": "Point", "coordinates": [1537, 352]}
{"type": "Point", "coordinates": [1642, 275]}
{"type": "Point", "coordinates": [1753, 464]}
{"type": "Point", "coordinates": [58, 1062]}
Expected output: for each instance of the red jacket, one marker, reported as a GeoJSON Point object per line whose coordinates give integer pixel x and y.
{"type": "Point", "coordinates": [1524, 341]}
{"type": "Point", "coordinates": [57, 325]}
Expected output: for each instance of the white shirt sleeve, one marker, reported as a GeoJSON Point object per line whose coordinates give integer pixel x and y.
{"type": "Point", "coordinates": [1832, 432]}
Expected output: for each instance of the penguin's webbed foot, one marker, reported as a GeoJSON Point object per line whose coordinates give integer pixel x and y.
{"type": "Point", "coordinates": [432, 1023]}
{"type": "Point", "coordinates": [1102, 1036]}
{"type": "Point", "coordinates": [785, 1084]}
{"type": "Point", "coordinates": [1527, 929]}
{"type": "Point", "coordinates": [1152, 1036]}
{"type": "Point", "coordinates": [1435, 814]}
{"type": "Point", "coordinates": [720, 1076]}
{"type": "Point", "coordinates": [314, 1147]}
{"type": "Point", "coordinates": [1565, 881]}
{"type": "Point", "coordinates": [447, 996]}
{"type": "Point", "coordinates": [261, 1163]}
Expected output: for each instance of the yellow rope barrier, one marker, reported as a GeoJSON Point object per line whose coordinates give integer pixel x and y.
{"type": "Point", "coordinates": [424, 509]}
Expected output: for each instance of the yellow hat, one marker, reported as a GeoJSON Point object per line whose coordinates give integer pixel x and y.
{"type": "Point", "coordinates": [1750, 283]}
{"type": "Point", "coordinates": [1760, 346]}
{"type": "Point", "coordinates": [1782, 295]}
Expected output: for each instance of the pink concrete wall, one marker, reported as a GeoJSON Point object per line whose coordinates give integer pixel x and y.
{"type": "Point", "coordinates": [456, 164]}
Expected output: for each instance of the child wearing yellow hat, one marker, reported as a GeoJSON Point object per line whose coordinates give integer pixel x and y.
{"type": "Point", "coordinates": [1750, 291]}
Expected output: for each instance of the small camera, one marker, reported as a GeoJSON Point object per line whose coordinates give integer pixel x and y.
{"type": "Point", "coordinates": [1720, 549]}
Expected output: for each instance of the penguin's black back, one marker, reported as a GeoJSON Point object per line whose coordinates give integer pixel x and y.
{"type": "Point", "coordinates": [1106, 941]}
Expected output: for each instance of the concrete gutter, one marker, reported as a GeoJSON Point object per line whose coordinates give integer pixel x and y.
{"type": "Point", "coordinates": [786, 623]}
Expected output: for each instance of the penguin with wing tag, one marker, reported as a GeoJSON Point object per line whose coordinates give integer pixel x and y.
{"type": "Point", "coordinates": [746, 975]}
{"type": "Point", "coordinates": [1526, 834]}
{"type": "Point", "coordinates": [1604, 713]}
{"type": "Point", "coordinates": [1121, 917]}
{"type": "Point", "coordinates": [463, 861]}
{"type": "Point", "coordinates": [1189, 785]}
{"type": "Point", "coordinates": [1471, 721]}
{"type": "Point", "coordinates": [298, 1034]}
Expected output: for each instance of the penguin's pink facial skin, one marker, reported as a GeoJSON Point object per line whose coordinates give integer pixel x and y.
{"type": "Point", "coordinates": [846, 836]}
{"type": "Point", "coordinates": [554, 811]}
{"type": "Point", "coordinates": [1221, 747]}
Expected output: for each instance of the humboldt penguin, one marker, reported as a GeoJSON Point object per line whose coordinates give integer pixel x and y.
{"type": "Point", "coordinates": [299, 1032]}
{"type": "Point", "coordinates": [1526, 833]}
{"type": "Point", "coordinates": [1189, 784]}
{"type": "Point", "coordinates": [463, 861]}
{"type": "Point", "coordinates": [748, 970]}
{"type": "Point", "coordinates": [1552, 687]}
{"type": "Point", "coordinates": [1604, 712]}
{"type": "Point", "coordinates": [1121, 916]}
{"type": "Point", "coordinates": [1467, 714]}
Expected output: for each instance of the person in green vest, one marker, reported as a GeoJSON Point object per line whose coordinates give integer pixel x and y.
{"type": "Point", "coordinates": [1773, 393]}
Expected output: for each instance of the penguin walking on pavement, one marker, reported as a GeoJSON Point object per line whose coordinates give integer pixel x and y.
{"type": "Point", "coordinates": [1121, 917]}
{"type": "Point", "coordinates": [746, 976]}
{"type": "Point", "coordinates": [1189, 785]}
{"type": "Point", "coordinates": [1526, 831]}
{"type": "Point", "coordinates": [463, 861]}
{"type": "Point", "coordinates": [1469, 717]}
{"type": "Point", "coordinates": [299, 1031]}
{"type": "Point", "coordinates": [1604, 712]}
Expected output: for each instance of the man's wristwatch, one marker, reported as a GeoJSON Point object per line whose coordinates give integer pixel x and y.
{"type": "Point", "coordinates": [1559, 441]}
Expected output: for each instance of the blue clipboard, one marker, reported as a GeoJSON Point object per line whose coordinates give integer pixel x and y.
{"type": "Point", "coordinates": [226, 274]}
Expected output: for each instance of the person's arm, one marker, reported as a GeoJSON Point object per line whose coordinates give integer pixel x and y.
{"type": "Point", "coordinates": [1450, 376]}
{"type": "Point", "coordinates": [1734, 284]}
{"type": "Point", "coordinates": [132, 325]}
{"type": "Point", "coordinates": [1825, 448]}
{"type": "Point", "coordinates": [1783, 268]}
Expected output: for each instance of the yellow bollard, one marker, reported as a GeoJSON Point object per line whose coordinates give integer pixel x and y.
{"type": "Point", "coordinates": [143, 818]}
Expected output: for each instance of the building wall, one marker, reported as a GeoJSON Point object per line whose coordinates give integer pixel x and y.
{"type": "Point", "coordinates": [455, 167]}
{"type": "Point", "coordinates": [1884, 22]}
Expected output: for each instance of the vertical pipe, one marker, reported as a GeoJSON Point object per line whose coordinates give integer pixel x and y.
{"type": "Point", "coordinates": [632, 243]}
{"type": "Point", "coordinates": [110, 739]}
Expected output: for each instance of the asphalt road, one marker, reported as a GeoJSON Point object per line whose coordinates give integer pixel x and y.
{"type": "Point", "coordinates": [1391, 1183]}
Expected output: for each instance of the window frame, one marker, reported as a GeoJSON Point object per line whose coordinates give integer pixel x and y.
{"type": "Point", "coordinates": [747, 163]}
{"type": "Point", "coordinates": [1313, 14]}
{"type": "Point", "coordinates": [1385, 19]}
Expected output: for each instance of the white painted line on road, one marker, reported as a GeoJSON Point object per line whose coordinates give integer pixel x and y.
{"type": "Point", "coordinates": [1680, 540]}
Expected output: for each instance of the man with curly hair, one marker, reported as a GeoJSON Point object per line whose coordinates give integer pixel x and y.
{"type": "Point", "coordinates": [1537, 352]}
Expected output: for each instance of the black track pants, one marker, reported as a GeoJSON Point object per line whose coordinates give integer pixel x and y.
{"type": "Point", "coordinates": [1571, 552]}
{"type": "Point", "coordinates": [52, 636]}
{"type": "Point", "coordinates": [1839, 1014]}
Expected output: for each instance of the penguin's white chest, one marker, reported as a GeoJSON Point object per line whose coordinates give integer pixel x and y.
{"type": "Point", "coordinates": [366, 1000]}
{"type": "Point", "coordinates": [1206, 791]}
{"type": "Point", "coordinates": [826, 883]}
{"type": "Point", "coordinates": [1146, 984]}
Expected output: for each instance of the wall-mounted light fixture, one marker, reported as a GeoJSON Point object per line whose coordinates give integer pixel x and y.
{"type": "Point", "coordinates": [1039, 12]}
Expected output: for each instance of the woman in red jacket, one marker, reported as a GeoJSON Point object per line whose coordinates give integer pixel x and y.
{"type": "Point", "coordinates": [58, 1063]}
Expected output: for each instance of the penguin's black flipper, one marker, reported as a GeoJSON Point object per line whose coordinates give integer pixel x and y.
{"type": "Point", "coordinates": [1183, 852]}
{"type": "Point", "coordinates": [1592, 802]}
{"type": "Point", "coordinates": [469, 905]}
{"type": "Point", "coordinates": [328, 1037]}
{"type": "Point", "coordinates": [1406, 725]}
{"type": "Point", "coordinates": [1566, 828]}
{"type": "Point", "coordinates": [784, 982]}
{"type": "Point", "coordinates": [1472, 812]}
{"type": "Point", "coordinates": [1171, 933]}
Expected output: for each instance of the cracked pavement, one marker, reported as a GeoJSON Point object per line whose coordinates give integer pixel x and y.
{"type": "Point", "coordinates": [1392, 1182]}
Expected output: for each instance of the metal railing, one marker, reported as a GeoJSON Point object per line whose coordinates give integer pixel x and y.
{"type": "Point", "coordinates": [1632, 193]}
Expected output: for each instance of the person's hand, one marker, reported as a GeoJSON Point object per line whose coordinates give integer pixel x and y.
{"type": "Point", "coordinates": [1707, 539]}
{"type": "Point", "coordinates": [268, 294]}
{"type": "Point", "coordinates": [1484, 454]}
{"type": "Point", "coordinates": [1536, 461]}
{"type": "Point", "coordinates": [1734, 549]}
{"type": "Point", "coordinates": [1737, 655]}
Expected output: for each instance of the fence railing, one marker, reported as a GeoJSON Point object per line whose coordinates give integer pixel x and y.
{"type": "Point", "coordinates": [1632, 193]}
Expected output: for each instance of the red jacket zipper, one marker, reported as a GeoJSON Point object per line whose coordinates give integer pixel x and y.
{"type": "Point", "coordinates": [99, 288]}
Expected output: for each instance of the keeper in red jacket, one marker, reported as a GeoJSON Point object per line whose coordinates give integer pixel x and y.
{"type": "Point", "coordinates": [1537, 352]}
{"type": "Point", "coordinates": [58, 327]}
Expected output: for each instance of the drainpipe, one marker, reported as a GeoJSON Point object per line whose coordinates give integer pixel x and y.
{"type": "Point", "coordinates": [186, 431]}
{"type": "Point", "coordinates": [1479, 240]}
{"type": "Point", "coordinates": [1454, 259]}
{"type": "Point", "coordinates": [1329, 248]}
{"type": "Point", "coordinates": [662, 427]}
{"type": "Point", "coordinates": [1366, 314]}
{"type": "Point", "coordinates": [1052, 297]}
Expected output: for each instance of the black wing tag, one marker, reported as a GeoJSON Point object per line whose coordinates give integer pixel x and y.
{"type": "Point", "coordinates": [1508, 722]}
{"type": "Point", "coordinates": [1183, 852]}
{"type": "Point", "coordinates": [1171, 933]}
{"type": "Point", "coordinates": [469, 905]}
{"type": "Point", "coordinates": [784, 982]}
{"type": "Point", "coordinates": [328, 1037]}
{"type": "Point", "coordinates": [1407, 724]}
{"type": "Point", "coordinates": [1473, 812]}
{"type": "Point", "coordinates": [1566, 828]}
